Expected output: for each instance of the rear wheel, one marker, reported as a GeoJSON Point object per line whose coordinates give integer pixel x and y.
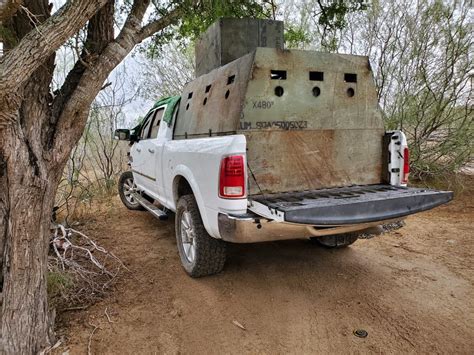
{"type": "Point", "coordinates": [201, 255]}
{"type": "Point", "coordinates": [337, 240]}
{"type": "Point", "coordinates": [126, 189]}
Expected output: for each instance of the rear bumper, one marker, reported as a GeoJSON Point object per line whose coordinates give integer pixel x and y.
{"type": "Point", "coordinates": [352, 205]}
{"type": "Point", "coordinates": [252, 229]}
{"type": "Point", "coordinates": [297, 215]}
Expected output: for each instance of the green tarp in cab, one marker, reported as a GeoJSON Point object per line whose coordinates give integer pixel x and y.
{"type": "Point", "coordinates": [170, 102]}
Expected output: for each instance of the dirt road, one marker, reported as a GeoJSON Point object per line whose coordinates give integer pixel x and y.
{"type": "Point", "coordinates": [412, 290]}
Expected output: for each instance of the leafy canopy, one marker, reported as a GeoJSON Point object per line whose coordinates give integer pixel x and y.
{"type": "Point", "coordinates": [198, 15]}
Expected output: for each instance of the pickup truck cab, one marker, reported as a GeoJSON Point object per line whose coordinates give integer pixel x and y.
{"type": "Point", "coordinates": [274, 145]}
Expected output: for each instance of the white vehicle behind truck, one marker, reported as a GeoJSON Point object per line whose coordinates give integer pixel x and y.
{"type": "Point", "coordinates": [275, 144]}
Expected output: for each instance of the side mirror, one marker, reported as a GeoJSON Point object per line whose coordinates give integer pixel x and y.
{"type": "Point", "coordinates": [122, 134]}
{"type": "Point", "coordinates": [133, 138]}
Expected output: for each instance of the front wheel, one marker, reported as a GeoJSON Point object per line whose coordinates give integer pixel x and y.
{"type": "Point", "coordinates": [200, 254]}
{"type": "Point", "coordinates": [337, 240]}
{"type": "Point", "coordinates": [126, 189]}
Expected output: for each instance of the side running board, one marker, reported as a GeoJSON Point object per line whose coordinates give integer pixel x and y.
{"type": "Point", "coordinates": [150, 207]}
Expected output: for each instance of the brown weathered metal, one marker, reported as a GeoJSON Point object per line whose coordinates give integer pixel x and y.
{"type": "Point", "coordinates": [231, 38]}
{"type": "Point", "coordinates": [311, 119]}
{"type": "Point", "coordinates": [213, 102]}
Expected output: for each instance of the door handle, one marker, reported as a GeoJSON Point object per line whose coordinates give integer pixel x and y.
{"type": "Point", "coordinates": [139, 150]}
{"type": "Point", "coordinates": [151, 150]}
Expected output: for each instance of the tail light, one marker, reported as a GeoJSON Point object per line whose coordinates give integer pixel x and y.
{"type": "Point", "coordinates": [232, 177]}
{"type": "Point", "coordinates": [406, 165]}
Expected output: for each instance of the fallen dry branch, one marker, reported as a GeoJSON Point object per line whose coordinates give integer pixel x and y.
{"type": "Point", "coordinates": [108, 317]}
{"type": "Point", "coordinates": [90, 338]}
{"type": "Point", "coordinates": [80, 270]}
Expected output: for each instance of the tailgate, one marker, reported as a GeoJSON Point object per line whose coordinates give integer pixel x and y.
{"type": "Point", "coordinates": [347, 205]}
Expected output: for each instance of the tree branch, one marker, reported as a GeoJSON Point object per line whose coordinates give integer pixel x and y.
{"type": "Point", "coordinates": [100, 32]}
{"type": "Point", "coordinates": [19, 64]}
{"type": "Point", "coordinates": [159, 24]}
{"type": "Point", "coordinates": [74, 115]}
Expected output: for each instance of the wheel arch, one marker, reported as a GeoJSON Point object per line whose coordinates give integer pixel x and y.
{"type": "Point", "coordinates": [181, 186]}
{"type": "Point", "coordinates": [184, 184]}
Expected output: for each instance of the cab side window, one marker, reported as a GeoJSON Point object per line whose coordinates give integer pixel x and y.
{"type": "Point", "coordinates": [156, 123]}
{"type": "Point", "coordinates": [152, 124]}
{"type": "Point", "coordinates": [146, 127]}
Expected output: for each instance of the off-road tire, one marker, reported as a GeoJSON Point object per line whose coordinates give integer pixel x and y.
{"type": "Point", "coordinates": [337, 240]}
{"type": "Point", "coordinates": [127, 175]}
{"type": "Point", "coordinates": [210, 253]}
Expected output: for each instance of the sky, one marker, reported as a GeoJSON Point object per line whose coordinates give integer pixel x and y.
{"type": "Point", "coordinates": [138, 106]}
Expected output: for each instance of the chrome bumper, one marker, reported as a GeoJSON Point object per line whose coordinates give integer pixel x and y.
{"type": "Point", "coordinates": [251, 229]}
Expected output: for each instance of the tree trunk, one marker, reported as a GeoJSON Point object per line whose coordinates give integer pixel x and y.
{"type": "Point", "coordinates": [37, 133]}
{"type": "Point", "coordinates": [28, 198]}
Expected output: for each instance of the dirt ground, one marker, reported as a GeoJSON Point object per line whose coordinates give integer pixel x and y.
{"type": "Point", "coordinates": [412, 290]}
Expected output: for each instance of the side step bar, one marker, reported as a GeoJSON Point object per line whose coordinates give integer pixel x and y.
{"type": "Point", "coordinates": [150, 207]}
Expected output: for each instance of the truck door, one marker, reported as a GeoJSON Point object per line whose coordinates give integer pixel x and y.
{"type": "Point", "coordinates": [152, 154]}
{"type": "Point", "coordinates": [143, 154]}
{"type": "Point", "coordinates": [163, 134]}
{"type": "Point", "coordinates": [154, 147]}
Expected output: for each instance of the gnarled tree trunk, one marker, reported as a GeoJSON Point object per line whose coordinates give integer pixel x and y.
{"type": "Point", "coordinates": [29, 176]}
{"type": "Point", "coordinates": [26, 199]}
{"type": "Point", "coordinates": [37, 133]}
{"type": "Point", "coordinates": [29, 197]}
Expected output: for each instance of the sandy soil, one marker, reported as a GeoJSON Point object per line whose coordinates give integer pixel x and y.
{"type": "Point", "coordinates": [411, 290]}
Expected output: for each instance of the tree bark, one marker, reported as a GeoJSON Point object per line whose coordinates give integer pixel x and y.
{"type": "Point", "coordinates": [25, 205]}
{"type": "Point", "coordinates": [37, 136]}
{"type": "Point", "coordinates": [29, 198]}
{"type": "Point", "coordinates": [37, 46]}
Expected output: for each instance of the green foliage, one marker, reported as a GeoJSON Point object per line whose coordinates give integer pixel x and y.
{"type": "Point", "coordinates": [198, 16]}
{"type": "Point", "coordinates": [332, 18]}
{"type": "Point", "coordinates": [423, 74]}
{"type": "Point", "coordinates": [440, 134]}
{"type": "Point", "coordinates": [333, 13]}
{"type": "Point", "coordinates": [57, 283]}
{"type": "Point", "coordinates": [296, 37]}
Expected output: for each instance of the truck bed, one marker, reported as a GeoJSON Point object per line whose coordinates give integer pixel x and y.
{"type": "Point", "coordinates": [350, 205]}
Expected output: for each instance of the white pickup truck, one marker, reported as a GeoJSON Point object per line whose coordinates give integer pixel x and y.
{"type": "Point", "coordinates": [274, 145]}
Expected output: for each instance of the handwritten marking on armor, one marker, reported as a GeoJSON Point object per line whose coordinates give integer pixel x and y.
{"type": "Point", "coordinates": [284, 125]}
{"type": "Point", "coordinates": [262, 104]}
